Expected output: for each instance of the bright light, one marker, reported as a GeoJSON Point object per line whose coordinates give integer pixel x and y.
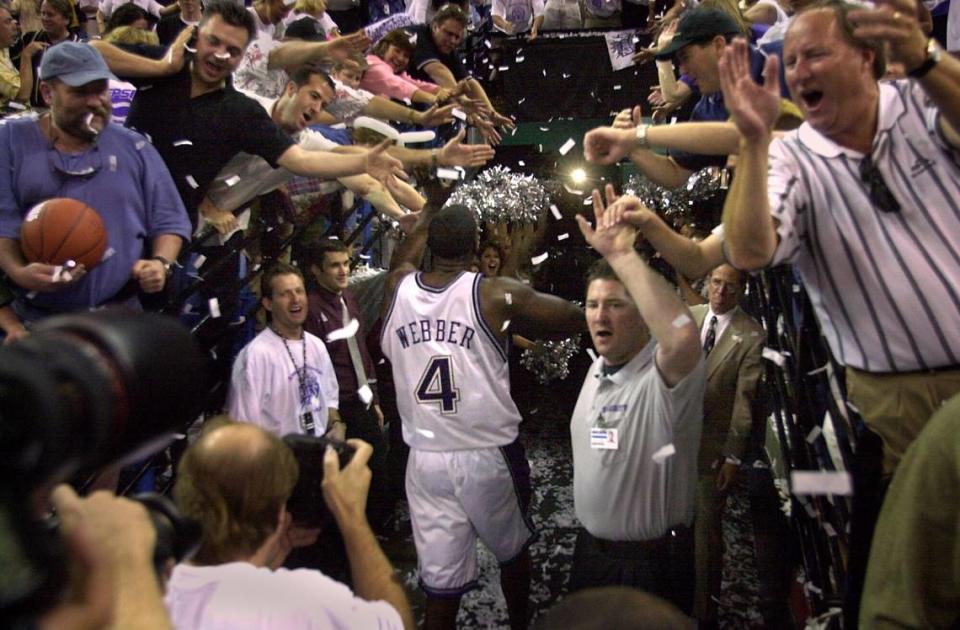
{"type": "Point", "coordinates": [578, 175]}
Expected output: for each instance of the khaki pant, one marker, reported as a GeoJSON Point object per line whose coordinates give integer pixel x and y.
{"type": "Point", "coordinates": [897, 406]}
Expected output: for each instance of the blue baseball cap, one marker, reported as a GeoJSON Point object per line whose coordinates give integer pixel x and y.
{"type": "Point", "coordinates": [74, 63]}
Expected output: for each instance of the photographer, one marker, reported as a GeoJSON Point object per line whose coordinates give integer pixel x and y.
{"type": "Point", "coordinates": [236, 481]}
{"type": "Point", "coordinates": [111, 541]}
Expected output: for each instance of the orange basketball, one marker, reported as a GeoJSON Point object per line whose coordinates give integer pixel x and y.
{"type": "Point", "coordinates": [62, 229]}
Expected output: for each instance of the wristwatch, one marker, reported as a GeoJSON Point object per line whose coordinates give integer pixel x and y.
{"type": "Point", "coordinates": [163, 261]}
{"type": "Point", "coordinates": [933, 58]}
{"type": "Point", "coordinates": [641, 134]}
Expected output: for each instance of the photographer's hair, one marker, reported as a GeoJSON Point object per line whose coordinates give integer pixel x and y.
{"type": "Point", "coordinates": [451, 12]}
{"type": "Point", "coordinates": [232, 13]}
{"type": "Point", "coordinates": [279, 269]}
{"type": "Point", "coordinates": [845, 27]}
{"type": "Point", "coordinates": [397, 37]}
{"type": "Point", "coordinates": [235, 489]}
{"type": "Point", "coordinates": [614, 607]}
{"type": "Point", "coordinates": [302, 75]}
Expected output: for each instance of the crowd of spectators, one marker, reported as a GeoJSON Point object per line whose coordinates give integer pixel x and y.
{"type": "Point", "coordinates": [840, 123]}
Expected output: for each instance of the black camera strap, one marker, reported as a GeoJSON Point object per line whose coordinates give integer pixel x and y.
{"type": "Point", "coordinates": [306, 418]}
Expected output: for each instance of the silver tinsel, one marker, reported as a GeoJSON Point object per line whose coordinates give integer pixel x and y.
{"type": "Point", "coordinates": [550, 360]}
{"type": "Point", "coordinates": [677, 204]}
{"type": "Point", "coordinates": [499, 196]}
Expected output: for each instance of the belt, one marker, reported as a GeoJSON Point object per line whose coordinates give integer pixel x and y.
{"type": "Point", "coordinates": [617, 547]}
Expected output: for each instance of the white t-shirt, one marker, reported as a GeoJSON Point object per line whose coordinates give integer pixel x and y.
{"type": "Point", "coordinates": [519, 13]}
{"type": "Point", "coordinates": [240, 596]}
{"type": "Point", "coordinates": [265, 387]}
{"type": "Point", "coordinates": [325, 21]}
{"type": "Point", "coordinates": [150, 6]}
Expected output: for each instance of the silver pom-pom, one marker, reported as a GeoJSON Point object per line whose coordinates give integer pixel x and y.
{"type": "Point", "coordinates": [550, 360]}
{"type": "Point", "coordinates": [498, 195]}
{"type": "Point", "coordinates": [677, 205]}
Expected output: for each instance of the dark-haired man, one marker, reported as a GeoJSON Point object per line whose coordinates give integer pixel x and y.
{"type": "Point", "coordinates": [333, 307]}
{"type": "Point", "coordinates": [198, 122]}
{"type": "Point", "coordinates": [636, 426]}
{"type": "Point", "coordinates": [435, 59]}
{"type": "Point", "coordinates": [283, 380]}
{"type": "Point", "coordinates": [446, 333]}
{"type": "Point", "coordinates": [862, 199]}
{"type": "Point", "coordinates": [306, 93]}
{"type": "Point", "coordinates": [235, 481]}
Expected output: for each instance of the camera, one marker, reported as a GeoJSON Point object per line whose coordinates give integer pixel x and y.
{"type": "Point", "coordinates": [81, 391]}
{"type": "Point", "coordinates": [306, 504]}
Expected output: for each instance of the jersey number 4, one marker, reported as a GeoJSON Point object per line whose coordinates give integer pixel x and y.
{"type": "Point", "coordinates": [437, 385]}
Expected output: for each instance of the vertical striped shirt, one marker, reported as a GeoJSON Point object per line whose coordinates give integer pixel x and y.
{"type": "Point", "coordinates": [885, 285]}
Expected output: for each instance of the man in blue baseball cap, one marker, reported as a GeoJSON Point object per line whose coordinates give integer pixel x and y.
{"type": "Point", "coordinates": [73, 151]}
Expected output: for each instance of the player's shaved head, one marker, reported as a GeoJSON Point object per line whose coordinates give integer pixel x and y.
{"type": "Point", "coordinates": [453, 233]}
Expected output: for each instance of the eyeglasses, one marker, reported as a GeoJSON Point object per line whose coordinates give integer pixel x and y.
{"type": "Point", "coordinates": [880, 194]}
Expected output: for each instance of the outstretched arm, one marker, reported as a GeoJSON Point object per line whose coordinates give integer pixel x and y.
{"type": "Point", "coordinates": [691, 258]}
{"type": "Point", "coordinates": [125, 64]}
{"type": "Point", "coordinates": [895, 22]}
{"type": "Point", "coordinates": [750, 233]}
{"type": "Point", "coordinates": [669, 320]}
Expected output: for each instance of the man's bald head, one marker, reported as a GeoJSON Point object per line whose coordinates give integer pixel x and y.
{"type": "Point", "coordinates": [234, 480]}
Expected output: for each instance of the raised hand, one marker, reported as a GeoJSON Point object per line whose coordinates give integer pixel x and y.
{"type": "Point", "coordinates": [753, 108]}
{"type": "Point", "coordinates": [628, 118]}
{"type": "Point", "coordinates": [435, 116]}
{"type": "Point", "coordinates": [607, 145]}
{"type": "Point", "coordinates": [611, 236]}
{"type": "Point", "coordinates": [499, 120]}
{"type": "Point", "coordinates": [380, 165]}
{"type": "Point", "coordinates": [895, 22]}
{"type": "Point", "coordinates": [456, 153]}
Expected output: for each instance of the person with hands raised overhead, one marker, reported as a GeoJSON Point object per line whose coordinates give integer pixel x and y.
{"type": "Point", "coordinates": [636, 426]}
{"type": "Point", "coordinates": [862, 199]}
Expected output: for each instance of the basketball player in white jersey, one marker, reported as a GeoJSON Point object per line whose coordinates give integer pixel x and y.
{"type": "Point", "coordinates": [446, 333]}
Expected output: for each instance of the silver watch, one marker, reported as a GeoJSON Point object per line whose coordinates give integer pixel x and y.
{"type": "Point", "coordinates": [641, 134]}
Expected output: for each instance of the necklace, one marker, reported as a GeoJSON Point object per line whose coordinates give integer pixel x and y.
{"type": "Point", "coordinates": [306, 418]}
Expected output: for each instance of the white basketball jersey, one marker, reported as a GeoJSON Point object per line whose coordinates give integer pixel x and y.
{"type": "Point", "coordinates": [450, 369]}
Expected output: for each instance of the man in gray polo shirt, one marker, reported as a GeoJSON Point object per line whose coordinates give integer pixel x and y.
{"type": "Point", "coordinates": [636, 426]}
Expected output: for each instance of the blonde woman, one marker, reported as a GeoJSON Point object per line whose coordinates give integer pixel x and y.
{"type": "Point", "coordinates": [314, 11]}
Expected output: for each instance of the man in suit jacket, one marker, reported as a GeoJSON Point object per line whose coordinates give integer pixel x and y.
{"type": "Point", "coordinates": [732, 342]}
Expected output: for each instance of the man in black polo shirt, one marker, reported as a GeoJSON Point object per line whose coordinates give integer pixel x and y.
{"type": "Point", "coordinates": [435, 59]}
{"type": "Point", "coordinates": [198, 122]}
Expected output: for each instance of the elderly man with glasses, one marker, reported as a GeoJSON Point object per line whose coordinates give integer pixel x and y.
{"type": "Point", "coordinates": [863, 199]}
{"type": "Point", "coordinates": [75, 151]}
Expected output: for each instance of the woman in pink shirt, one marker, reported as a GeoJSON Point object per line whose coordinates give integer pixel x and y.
{"type": "Point", "coordinates": [386, 76]}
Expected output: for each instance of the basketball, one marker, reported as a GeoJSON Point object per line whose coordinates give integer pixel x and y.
{"type": "Point", "coordinates": [62, 229]}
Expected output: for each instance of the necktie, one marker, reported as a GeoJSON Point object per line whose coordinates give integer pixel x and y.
{"type": "Point", "coordinates": [354, 349]}
{"type": "Point", "coordinates": [711, 339]}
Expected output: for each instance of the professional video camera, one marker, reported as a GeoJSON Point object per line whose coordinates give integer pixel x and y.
{"type": "Point", "coordinates": [82, 391]}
